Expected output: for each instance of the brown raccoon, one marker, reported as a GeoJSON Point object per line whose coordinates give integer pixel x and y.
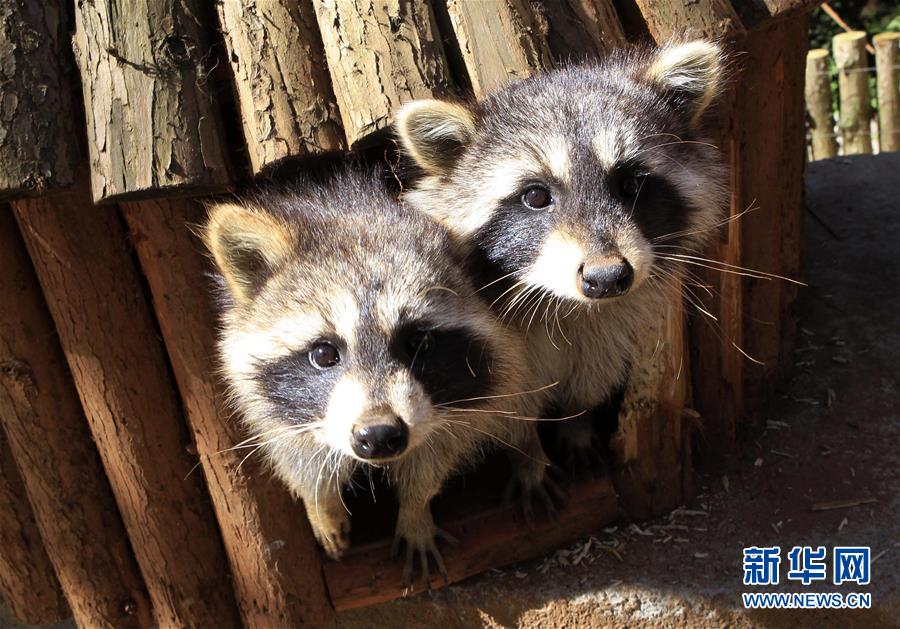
{"type": "Point", "coordinates": [351, 337]}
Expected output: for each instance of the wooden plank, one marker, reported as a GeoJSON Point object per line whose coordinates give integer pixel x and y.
{"type": "Point", "coordinates": [49, 438]}
{"type": "Point", "coordinates": [887, 63]}
{"type": "Point", "coordinates": [152, 127]}
{"type": "Point", "coordinates": [710, 18]}
{"type": "Point", "coordinates": [111, 343]}
{"type": "Point", "coordinates": [851, 59]}
{"type": "Point", "coordinates": [499, 41]}
{"type": "Point", "coordinates": [579, 30]}
{"type": "Point", "coordinates": [819, 105]}
{"type": "Point", "coordinates": [490, 539]}
{"type": "Point", "coordinates": [283, 89]}
{"type": "Point", "coordinates": [274, 560]}
{"type": "Point", "coordinates": [27, 581]}
{"type": "Point", "coordinates": [381, 54]}
{"type": "Point", "coordinates": [38, 146]}
{"type": "Point", "coordinates": [651, 447]}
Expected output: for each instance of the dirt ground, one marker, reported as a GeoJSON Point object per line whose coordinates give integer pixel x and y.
{"type": "Point", "coordinates": [833, 430]}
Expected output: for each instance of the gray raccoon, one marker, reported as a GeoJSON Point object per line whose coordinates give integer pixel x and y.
{"type": "Point", "coordinates": [579, 189]}
{"type": "Point", "coordinates": [350, 337]}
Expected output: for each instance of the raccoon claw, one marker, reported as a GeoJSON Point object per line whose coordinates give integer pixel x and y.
{"type": "Point", "coordinates": [333, 534]}
{"type": "Point", "coordinates": [544, 488]}
{"type": "Point", "coordinates": [423, 547]}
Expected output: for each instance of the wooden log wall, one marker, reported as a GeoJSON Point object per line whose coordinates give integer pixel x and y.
{"type": "Point", "coordinates": [49, 439]}
{"type": "Point", "coordinates": [137, 329]}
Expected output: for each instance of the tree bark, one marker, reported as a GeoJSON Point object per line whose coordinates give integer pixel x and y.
{"type": "Point", "coordinates": [581, 30]}
{"type": "Point", "coordinates": [38, 146]}
{"type": "Point", "coordinates": [851, 58]}
{"type": "Point", "coordinates": [887, 62]}
{"type": "Point", "coordinates": [111, 343]}
{"type": "Point", "coordinates": [381, 54]}
{"type": "Point", "coordinates": [274, 560]}
{"type": "Point", "coordinates": [499, 41]}
{"type": "Point", "coordinates": [27, 581]}
{"type": "Point", "coordinates": [152, 127]}
{"type": "Point", "coordinates": [819, 105]}
{"type": "Point", "coordinates": [668, 18]}
{"type": "Point", "coordinates": [51, 443]}
{"type": "Point", "coordinates": [281, 78]}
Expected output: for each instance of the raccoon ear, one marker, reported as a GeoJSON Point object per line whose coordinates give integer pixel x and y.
{"type": "Point", "coordinates": [247, 244]}
{"type": "Point", "coordinates": [691, 71]}
{"type": "Point", "coordinates": [434, 133]}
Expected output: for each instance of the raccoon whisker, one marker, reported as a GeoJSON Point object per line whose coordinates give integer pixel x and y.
{"type": "Point", "coordinates": [279, 432]}
{"type": "Point", "coordinates": [371, 483]}
{"type": "Point", "coordinates": [547, 324]}
{"type": "Point", "coordinates": [680, 141]}
{"type": "Point", "coordinates": [457, 409]}
{"type": "Point", "coordinates": [443, 288]}
{"type": "Point", "coordinates": [504, 293]}
{"type": "Point", "coordinates": [537, 304]}
{"type": "Point", "coordinates": [492, 282]}
{"type": "Point", "coordinates": [562, 332]}
{"type": "Point", "coordinates": [493, 436]}
{"type": "Point", "coordinates": [516, 302]}
{"type": "Point", "coordinates": [691, 232]}
{"type": "Point", "coordinates": [685, 257]}
{"type": "Point", "coordinates": [501, 395]}
{"type": "Point", "coordinates": [251, 453]}
{"type": "Point", "coordinates": [333, 477]}
{"type": "Point", "coordinates": [549, 419]}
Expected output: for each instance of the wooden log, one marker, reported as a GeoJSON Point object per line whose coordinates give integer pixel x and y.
{"type": "Point", "coordinates": [381, 53]}
{"type": "Point", "coordinates": [667, 18]}
{"type": "Point", "coordinates": [110, 339]}
{"type": "Point", "coordinates": [887, 63]}
{"type": "Point", "coordinates": [27, 581]}
{"type": "Point", "coordinates": [851, 59]}
{"type": "Point", "coordinates": [819, 105]}
{"type": "Point", "coordinates": [766, 12]}
{"type": "Point", "coordinates": [652, 470]}
{"type": "Point", "coordinates": [50, 440]}
{"type": "Point", "coordinates": [499, 41]}
{"type": "Point", "coordinates": [579, 30]}
{"type": "Point", "coordinates": [38, 146]}
{"type": "Point", "coordinates": [283, 88]}
{"type": "Point", "coordinates": [152, 127]}
{"type": "Point", "coordinates": [489, 539]}
{"type": "Point", "coordinates": [274, 561]}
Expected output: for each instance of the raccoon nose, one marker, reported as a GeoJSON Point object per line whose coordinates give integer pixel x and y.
{"type": "Point", "coordinates": [379, 441]}
{"type": "Point", "coordinates": [608, 280]}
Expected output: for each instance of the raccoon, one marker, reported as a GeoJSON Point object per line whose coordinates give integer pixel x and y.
{"type": "Point", "coordinates": [580, 191]}
{"type": "Point", "coordinates": [350, 337]}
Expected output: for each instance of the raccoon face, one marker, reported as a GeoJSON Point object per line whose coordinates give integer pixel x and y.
{"type": "Point", "coordinates": [351, 328]}
{"type": "Point", "coordinates": [574, 180]}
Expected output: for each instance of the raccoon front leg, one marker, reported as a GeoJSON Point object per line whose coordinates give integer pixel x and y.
{"type": "Point", "coordinates": [531, 478]}
{"type": "Point", "coordinates": [329, 518]}
{"type": "Point", "coordinates": [416, 486]}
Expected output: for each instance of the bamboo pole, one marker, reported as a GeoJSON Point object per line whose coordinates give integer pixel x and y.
{"type": "Point", "coordinates": [851, 60]}
{"type": "Point", "coordinates": [152, 127]}
{"type": "Point", "coordinates": [27, 581]}
{"type": "Point", "coordinates": [274, 561]}
{"type": "Point", "coordinates": [819, 105]}
{"type": "Point", "coordinates": [579, 30]}
{"type": "Point", "coordinates": [499, 41]}
{"type": "Point", "coordinates": [381, 53]}
{"type": "Point", "coordinates": [38, 146]}
{"type": "Point", "coordinates": [51, 443]}
{"type": "Point", "coordinates": [887, 63]}
{"type": "Point", "coordinates": [110, 340]}
{"type": "Point", "coordinates": [283, 88]}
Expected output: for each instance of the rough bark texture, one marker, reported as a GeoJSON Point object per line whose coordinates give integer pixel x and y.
{"type": "Point", "coordinates": [887, 62]}
{"type": "Point", "coordinates": [152, 127]}
{"type": "Point", "coordinates": [381, 54]}
{"type": "Point", "coordinates": [275, 564]}
{"type": "Point", "coordinates": [579, 30]}
{"type": "Point", "coordinates": [712, 18]}
{"type": "Point", "coordinates": [499, 41]}
{"type": "Point", "coordinates": [111, 343]}
{"type": "Point", "coordinates": [850, 57]}
{"type": "Point", "coordinates": [489, 539]}
{"type": "Point", "coordinates": [283, 88]}
{"type": "Point", "coordinates": [27, 581]}
{"type": "Point", "coordinates": [651, 448]}
{"type": "Point", "coordinates": [38, 142]}
{"type": "Point", "coordinates": [50, 440]}
{"type": "Point", "coordinates": [819, 106]}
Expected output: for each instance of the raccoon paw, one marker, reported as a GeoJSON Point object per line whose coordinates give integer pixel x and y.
{"type": "Point", "coordinates": [332, 531]}
{"type": "Point", "coordinates": [419, 540]}
{"type": "Point", "coordinates": [528, 485]}
{"type": "Point", "coordinates": [580, 450]}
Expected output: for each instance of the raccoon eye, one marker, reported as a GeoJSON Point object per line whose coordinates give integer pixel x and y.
{"type": "Point", "coordinates": [630, 185]}
{"type": "Point", "coordinates": [537, 198]}
{"type": "Point", "coordinates": [420, 342]}
{"type": "Point", "coordinates": [324, 356]}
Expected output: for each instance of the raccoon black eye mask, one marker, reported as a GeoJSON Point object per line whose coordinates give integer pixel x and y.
{"type": "Point", "coordinates": [351, 337]}
{"type": "Point", "coordinates": [570, 190]}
